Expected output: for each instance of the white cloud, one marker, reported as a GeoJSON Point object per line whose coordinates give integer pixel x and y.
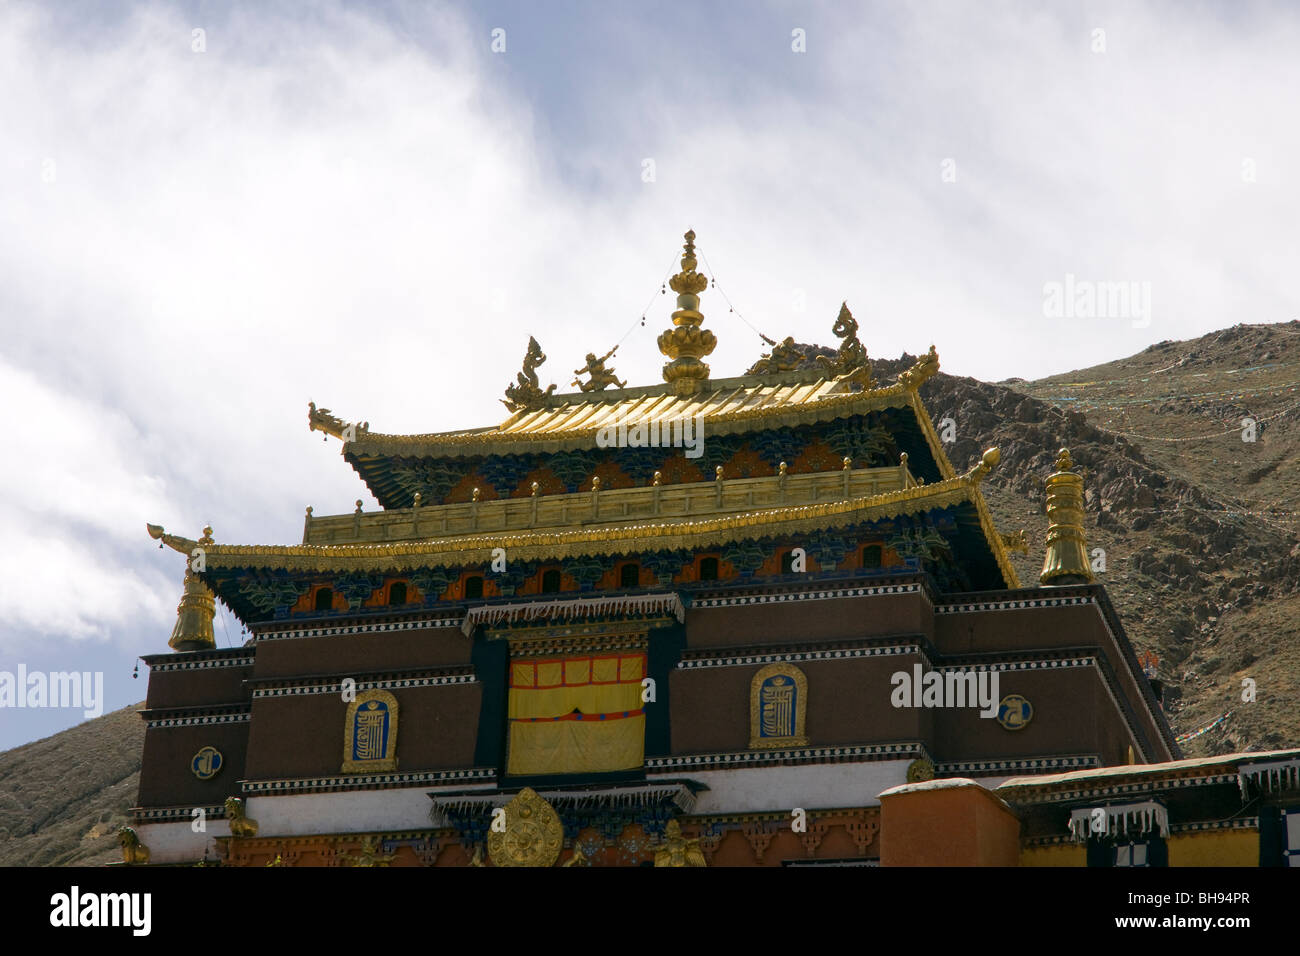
{"type": "Point", "coordinates": [373, 216]}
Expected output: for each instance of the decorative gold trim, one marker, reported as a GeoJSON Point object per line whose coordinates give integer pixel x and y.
{"type": "Point", "coordinates": [388, 761]}
{"type": "Point", "coordinates": [756, 740]}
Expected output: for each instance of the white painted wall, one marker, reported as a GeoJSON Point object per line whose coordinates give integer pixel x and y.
{"type": "Point", "coordinates": [353, 811]}
{"type": "Point", "coordinates": [810, 786]}
{"type": "Point", "coordinates": [178, 843]}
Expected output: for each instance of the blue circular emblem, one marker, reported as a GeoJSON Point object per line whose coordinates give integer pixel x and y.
{"type": "Point", "coordinates": [206, 764]}
{"type": "Point", "coordinates": [1015, 712]}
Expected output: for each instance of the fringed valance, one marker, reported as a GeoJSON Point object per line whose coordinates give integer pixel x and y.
{"type": "Point", "coordinates": [1125, 819]}
{"type": "Point", "coordinates": [1270, 775]}
{"type": "Point", "coordinates": [570, 608]}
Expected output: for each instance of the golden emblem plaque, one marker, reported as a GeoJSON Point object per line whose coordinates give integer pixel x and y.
{"type": "Point", "coordinates": [533, 834]}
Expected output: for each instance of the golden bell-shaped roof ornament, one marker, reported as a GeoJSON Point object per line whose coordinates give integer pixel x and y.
{"type": "Point", "coordinates": [1066, 561]}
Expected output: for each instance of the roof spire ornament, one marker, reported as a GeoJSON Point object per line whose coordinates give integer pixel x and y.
{"type": "Point", "coordinates": [1067, 548]}
{"type": "Point", "coordinates": [686, 342]}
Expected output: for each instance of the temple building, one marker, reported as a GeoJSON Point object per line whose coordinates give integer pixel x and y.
{"type": "Point", "coordinates": [750, 620]}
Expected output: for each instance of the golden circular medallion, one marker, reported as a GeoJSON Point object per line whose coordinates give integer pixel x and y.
{"type": "Point", "coordinates": [1015, 712]}
{"type": "Point", "coordinates": [532, 836]}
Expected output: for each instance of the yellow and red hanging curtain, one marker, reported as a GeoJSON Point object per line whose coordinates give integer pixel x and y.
{"type": "Point", "coordinates": [578, 714]}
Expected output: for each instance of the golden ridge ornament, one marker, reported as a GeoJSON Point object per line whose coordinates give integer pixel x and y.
{"type": "Point", "coordinates": [784, 357]}
{"type": "Point", "coordinates": [601, 377]}
{"type": "Point", "coordinates": [527, 393]}
{"type": "Point", "coordinates": [533, 834]}
{"type": "Point", "coordinates": [850, 363]}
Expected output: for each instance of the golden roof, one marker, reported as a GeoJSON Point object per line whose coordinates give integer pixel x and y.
{"type": "Point", "coordinates": [727, 406]}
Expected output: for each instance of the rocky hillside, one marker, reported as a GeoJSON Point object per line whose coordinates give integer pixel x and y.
{"type": "Point", "coordinates": [1199, 530]}
{"type": "Point", "coordinates": [1199, 527]}
{"type": "Point", "coordinates": [63, 798]}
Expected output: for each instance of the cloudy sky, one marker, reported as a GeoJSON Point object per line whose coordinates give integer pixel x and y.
{"type": "Point", "coordinates": [374, 206]}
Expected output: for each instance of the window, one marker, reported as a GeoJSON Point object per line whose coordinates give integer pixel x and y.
{"type": "Point", "coordinates": [872, 555]}
{"type": "Point", "coordinates": [1131, 854]}
{"type": "Point", "coordinates": [1128, 853]}
{"type": "Point", "coordinates": [629, 575]}
{"type": "Point", "coordinates": [708, 569]}
{"type": "Point", "coordinates": [397, 592]}
{"type": "Point", "coordinates": [473, 587]}
{"type": "Point", "coordinates": [324, 599]}
{"type": "Point", "coordinates": [550, 581]}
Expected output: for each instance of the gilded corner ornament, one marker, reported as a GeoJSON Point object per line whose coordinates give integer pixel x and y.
{"type": "Point", "coordinates": [241, 825]}
{"type": "Point", "coordinates": [527, 394]}
{"type": "Point", "coordinates": [133, 851]}
{"type": "Point", "coordinates": [533, 834]}
{"type": "Point", "coordinates": [324, 421]}
{"type": "Point", "coordinates": [926, 366]}
{"type": "Point", "coordinates": [370, 733]}
{"type": "Point", "coordinates": [778, 707]}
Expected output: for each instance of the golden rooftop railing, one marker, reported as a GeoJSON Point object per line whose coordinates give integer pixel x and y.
{"type": "Point", "coordinates": [684, 502]}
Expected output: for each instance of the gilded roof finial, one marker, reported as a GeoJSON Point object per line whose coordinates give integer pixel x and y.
{"type": "Point", "coordinates": [686, 342]}
{"type": "Point", "coordinates": [1066, 561]}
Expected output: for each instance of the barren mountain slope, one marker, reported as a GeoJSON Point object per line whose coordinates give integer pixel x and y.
{"type": "Point", "coordinates": [63, 798]}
